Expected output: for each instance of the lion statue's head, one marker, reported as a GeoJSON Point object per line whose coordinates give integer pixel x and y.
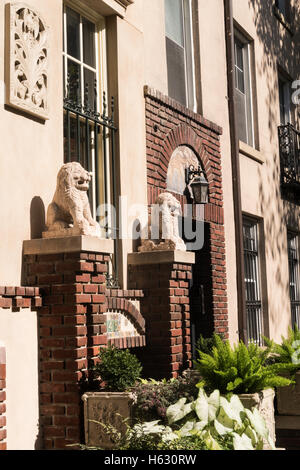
{"type": "Point", "coordinates": [73, 176]}
{"type": "Point", "coordinates": [169, 201]}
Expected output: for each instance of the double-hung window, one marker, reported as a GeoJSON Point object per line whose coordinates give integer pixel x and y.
{"type": "Point", "coordinates": [87, 129]}
{"type": "Point", "coordinates": [243, 90]}
{"type": "Point", "coordinates": [180, 52]}
{"type": "Point", "coordinates": [252, 282]}
{"type": "Point", "coordinates": [293, 256]}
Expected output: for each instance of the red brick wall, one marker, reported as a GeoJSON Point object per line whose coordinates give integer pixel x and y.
{"type": "Point", "coordinates": [16, 298]}
{"type": "Point", "coordinates": [72, 328]}
{"type": "Point", "coordinates": [168, 125]}
{"type": "Point", "coordinates": [166, 309]}
{"type": "Point", "coordinates": [2, 398]}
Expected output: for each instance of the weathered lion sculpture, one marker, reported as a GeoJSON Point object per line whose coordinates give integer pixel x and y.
{"type": "Point", "coordinates": [162, 232]}
{"type": "Point", "coordinates": [69, 214]}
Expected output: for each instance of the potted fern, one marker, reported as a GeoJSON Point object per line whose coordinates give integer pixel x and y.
{"type": "Point", "coordinates": [245, 371]}
{"type": "Point", "coordinates": [118, 370]}
{"type": "Point", "coordinates": [288, 402]}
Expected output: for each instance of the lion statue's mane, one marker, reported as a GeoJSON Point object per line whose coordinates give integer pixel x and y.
{"type": "Point", "coordinates": [69, 214]}
{"type": "Point", "coordinates": [162, 232]}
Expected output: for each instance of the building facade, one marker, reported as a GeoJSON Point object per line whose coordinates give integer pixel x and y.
{"type": "Point", "coordinates": [139, 92]}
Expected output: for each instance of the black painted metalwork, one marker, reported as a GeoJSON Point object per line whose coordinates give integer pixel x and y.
{"type": "Point", "coordinates": [289, 145]}
{"type": "Point", "coordinates": [89, 138]}
{"type": "Point", "coordinates": [293, 255]}
{"type": "Point", "coordinates": [252, 283]}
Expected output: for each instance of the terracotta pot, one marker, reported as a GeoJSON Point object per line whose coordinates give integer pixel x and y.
{"type": "Point", "coordinates": [108, 408]}
{"type": "Point", "coordinates": [288, 398]}
{"type": "Point", "coordinates": [264, 402]}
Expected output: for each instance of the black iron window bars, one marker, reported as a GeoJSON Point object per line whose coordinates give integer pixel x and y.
{"type": "Point", "coordinates": [89, 138]}
{"type": "Point", "coordinates": [289, 146]}
{"type": "Point", "coordinates": [252, 283]}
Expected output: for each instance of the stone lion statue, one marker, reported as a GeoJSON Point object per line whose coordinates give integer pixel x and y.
{"type": "Point", "coordinates": [162, 232]}
{"type": "Point", "coordinates": [69, 214]}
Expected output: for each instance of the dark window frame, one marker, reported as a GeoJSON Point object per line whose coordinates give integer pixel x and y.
{"type": "Point", "coordinates": [253, 281]}
{"type": "Point", "coordinates": [294, 276]}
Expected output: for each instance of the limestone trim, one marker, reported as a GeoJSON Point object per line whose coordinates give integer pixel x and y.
{"type": "Point", "coordinates": [251, 152]}
{"type": "Point", "coordinates": [68, 245]}
{"type": "Point", "coordinates": [27, 58]}
{"type": "Point", "coordinates": [101, 7]}
{"type": "Point", "coordinates": [161, 257]}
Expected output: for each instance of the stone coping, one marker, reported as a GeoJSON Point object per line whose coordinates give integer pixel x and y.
{"type": "Point", "coordinates": [161, 257]}
{"type": "Point", "coordinates": [77, 244]}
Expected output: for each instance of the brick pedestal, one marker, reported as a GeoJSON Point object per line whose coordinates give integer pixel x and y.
{"type": "Point", "coordinates": [2, 398]}
{"type": "Point", "coordinates": [71, 275]}
{"type": "Point", "coordinates": [164, 278]}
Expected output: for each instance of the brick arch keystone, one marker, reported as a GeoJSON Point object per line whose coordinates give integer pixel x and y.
{"type": "Point", "coordinates": [185, 135]}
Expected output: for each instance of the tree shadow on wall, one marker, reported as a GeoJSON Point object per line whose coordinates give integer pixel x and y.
{"type": "Point", "coordinates": [279, 51]}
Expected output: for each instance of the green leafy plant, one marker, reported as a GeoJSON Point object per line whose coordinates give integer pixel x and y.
{"type": "Point", "coordinates": [206, 344]}
{"type": "Point", "coordinates": [289, 349]}
{"type": "Point", "coordinates": [210, 422]}
{"type": "Point", "coordinates": [119, 369]}
{"type": "Point", "coordinates": [239, 369]}
{"type": "Point", "coordinates": [217, 420]}
{"type": "Point", "coordinates": [154, 397]}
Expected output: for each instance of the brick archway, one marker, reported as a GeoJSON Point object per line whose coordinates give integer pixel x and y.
{"type": "Point", "coordinates": [185, 135]}
{"type": "Point", "coordinates": [168, 126]}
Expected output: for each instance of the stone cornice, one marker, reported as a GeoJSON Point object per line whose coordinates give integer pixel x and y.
{"type": "Point", "coordinates": [125, 3]}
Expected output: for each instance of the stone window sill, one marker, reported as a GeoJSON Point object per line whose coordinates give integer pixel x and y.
{"type": "Point", "coordinates": [251, 152]}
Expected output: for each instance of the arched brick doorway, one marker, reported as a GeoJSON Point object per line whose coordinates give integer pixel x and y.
{"type": "Point", "coordinates": [172, 129]}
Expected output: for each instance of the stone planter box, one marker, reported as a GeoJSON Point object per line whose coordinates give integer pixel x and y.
{"type": "Point", "coordinates": [264, 402]}
{"type": "Point", "coordinates": [108, 408]}
{"type": "Point", "coordinates": [288, 398]}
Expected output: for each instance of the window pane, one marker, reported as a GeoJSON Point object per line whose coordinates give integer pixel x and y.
{"type": "Point", "coordinates": [73, 33]}
{"type": "Point", "coordinates": [74, 81]}
{"type": "Point", "coordinates": [239, 55]}
{"type": "Point", "coordinates": [89, 88]}
{"type": "Point", "coordinates": [174, 21]}
{"type": "Point", "coordinates": [176, 71]}
{"type": "Point", "coordinates": [243, 92]}
{"type": "Point", "coordinates": [89, 55]}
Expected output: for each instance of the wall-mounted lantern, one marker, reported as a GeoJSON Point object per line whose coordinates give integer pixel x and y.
{"type": "Point", "coordinates": [198, 184]}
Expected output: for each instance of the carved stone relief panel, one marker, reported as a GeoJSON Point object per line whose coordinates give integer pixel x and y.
{"type": "Point", "coordinates": [27, 56]}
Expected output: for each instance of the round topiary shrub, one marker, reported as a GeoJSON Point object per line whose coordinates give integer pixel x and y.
{"type": "Point", "coordinates": [118, 368]}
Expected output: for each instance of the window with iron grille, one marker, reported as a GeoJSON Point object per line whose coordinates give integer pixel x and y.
{"type": "Point", "coordinates": [88, 124]}
{"type": "Point", "coordinates": [89, 129]}
{"type": "Point", "coordinates": [293, 255]}
{"type": "Point", "coordinates": [252, 282]}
